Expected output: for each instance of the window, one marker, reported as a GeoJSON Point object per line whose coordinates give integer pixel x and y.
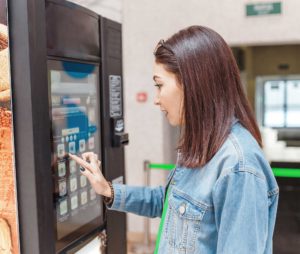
{"type": "Point", "coordinates": [281, 103]}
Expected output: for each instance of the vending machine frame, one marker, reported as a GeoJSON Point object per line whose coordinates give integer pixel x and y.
{"type": "Point", "coordinates": [30, 52]}
{"type": "Point", "coordinates": [31, 125]}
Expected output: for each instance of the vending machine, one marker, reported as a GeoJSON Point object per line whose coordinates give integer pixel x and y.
{"type": "Point", "coordinates": [67, 98]}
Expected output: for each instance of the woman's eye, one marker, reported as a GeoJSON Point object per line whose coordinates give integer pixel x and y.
{"type": "Point", "coordinates": [158, 86]}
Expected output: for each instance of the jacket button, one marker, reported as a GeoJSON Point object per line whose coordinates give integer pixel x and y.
{"type": "Point", "coordinates": [182, 209]}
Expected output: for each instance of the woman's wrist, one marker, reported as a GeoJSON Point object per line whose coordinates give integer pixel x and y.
{"type": "Point", "coordinates": [107, 191]}
{"type": "Point", "coordinates": [109, 198]}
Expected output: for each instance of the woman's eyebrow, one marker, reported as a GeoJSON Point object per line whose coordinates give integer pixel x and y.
{"type": "Point", "coordinates": [155, 77]}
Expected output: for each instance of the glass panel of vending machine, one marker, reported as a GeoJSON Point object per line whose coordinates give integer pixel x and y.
{"type": "Point", "coordinates": [75, 118]}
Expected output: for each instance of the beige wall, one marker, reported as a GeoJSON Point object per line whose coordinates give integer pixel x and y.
{"type": "Point", "coordinates": [267, 59]}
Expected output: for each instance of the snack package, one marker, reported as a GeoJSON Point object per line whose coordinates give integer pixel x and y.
{"type": "Point", "coordinates": [9, 240]}
{"type": "Point", "coordinates": [4, 65]}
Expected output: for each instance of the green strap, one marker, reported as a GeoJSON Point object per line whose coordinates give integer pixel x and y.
{"type": "Point", "coordinates": [161, 225]}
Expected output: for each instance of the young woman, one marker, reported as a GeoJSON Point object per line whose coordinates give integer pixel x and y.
{"type": "Point", "coordinates": [222, 196]}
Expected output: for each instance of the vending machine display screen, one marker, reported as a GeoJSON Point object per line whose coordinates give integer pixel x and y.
{"type": "Point", "coordinates": [76, 129]}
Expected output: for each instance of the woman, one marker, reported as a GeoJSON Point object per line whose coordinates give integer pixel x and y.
{"type": "Point", "coordinates": [222, 196]}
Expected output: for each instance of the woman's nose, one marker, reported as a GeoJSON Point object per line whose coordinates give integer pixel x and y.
{"type": "Point", "coordinates": [156, 101]}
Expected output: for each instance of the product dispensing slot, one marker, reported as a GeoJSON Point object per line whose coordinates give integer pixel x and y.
{"type": "Point", "coordinates": [119, 138]}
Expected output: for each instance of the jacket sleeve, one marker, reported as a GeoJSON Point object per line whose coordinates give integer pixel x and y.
{"type": "Point", "coordinates": [143, 201]}
{"type": "Point", "coordinates": [241, 213]}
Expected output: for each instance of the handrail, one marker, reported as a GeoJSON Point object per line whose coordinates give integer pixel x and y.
{"type": "Point", "coordinates": [287, 172]}
{"type": "Point", "coordinates": [278, 172]}
{"type": "Point", "coordinates": [161, 166]}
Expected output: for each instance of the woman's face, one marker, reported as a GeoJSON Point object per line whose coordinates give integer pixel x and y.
{"type": "Point", "coordinates": [169, 96]}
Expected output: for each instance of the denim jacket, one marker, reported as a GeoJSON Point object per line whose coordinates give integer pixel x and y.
{"type": "Point", "coordinates": [227, 206]}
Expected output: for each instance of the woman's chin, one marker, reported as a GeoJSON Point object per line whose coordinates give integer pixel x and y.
{"type": "Point", "coordinates": [173, 123]}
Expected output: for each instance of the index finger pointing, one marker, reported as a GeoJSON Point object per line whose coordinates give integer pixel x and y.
{"type": "Point", "coordinates": [92, 159]}
{"type": "Point", "coordinates": [81, 162]}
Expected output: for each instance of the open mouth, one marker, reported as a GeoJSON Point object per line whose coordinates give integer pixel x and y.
{"type": "Point", "coordinates": [165, 112]}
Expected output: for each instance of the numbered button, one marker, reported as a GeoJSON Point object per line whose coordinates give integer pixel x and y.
{"type": "Point", "coordinates": [81, 145]}
{"type": "Point", "coordinates": [73, 183]}
{"type": "Point", "coordinates": [61, 150]}
{"type": "Point", "coordinates": [72, 166]}
{"type": "Point", "coordinates": [74, 202]}
{"type": "Point", "coordinates": [91, 143]}
{"type": "Point", "coordinates": [63, 207]}
{"type": "Point", "coordinates": [62, 186]}
{"type": "Point", "coordinates": [83, 181]}
{"type": "Point", "coordinates": [83, 197]}
{"type": "Point", "coordinates": [72, 147]}
{"type": "Point", "coordinates": [61, 169]}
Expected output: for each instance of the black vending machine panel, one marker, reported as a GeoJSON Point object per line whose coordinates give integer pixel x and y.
{"type": "Point", "coordinates": [113, 124]}
{"type": "Point", "coordinates": [67, 98]}
{"type": "Point", "coordinates": [75, 120]}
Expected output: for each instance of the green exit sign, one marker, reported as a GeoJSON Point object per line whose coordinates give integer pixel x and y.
{"type": "Point", "coordinates": [263, 9]}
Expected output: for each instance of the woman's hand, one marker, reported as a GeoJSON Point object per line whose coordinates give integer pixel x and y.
{"type": "Point", "coordinates": [91, 169]}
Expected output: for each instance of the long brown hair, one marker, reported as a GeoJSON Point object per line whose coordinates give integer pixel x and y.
{"type": "Point", "coordinates": [213, 93]}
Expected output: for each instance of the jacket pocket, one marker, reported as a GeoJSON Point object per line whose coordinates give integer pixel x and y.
{"type": "Point", "coordinates": [183, 222]}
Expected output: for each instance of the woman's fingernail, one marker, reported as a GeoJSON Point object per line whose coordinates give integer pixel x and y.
{"type": "Point", "coordinates": [82, 168]}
